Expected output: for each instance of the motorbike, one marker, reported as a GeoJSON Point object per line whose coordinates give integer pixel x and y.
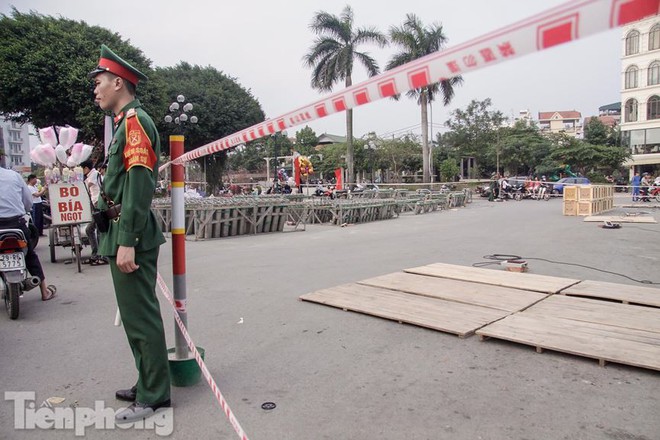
{"type": "Point", "coordinates": [654, 191]}
{"type": "Point", "coordinates": [540, 193]}
{"type": "Point", "coordinates": [14, 276]}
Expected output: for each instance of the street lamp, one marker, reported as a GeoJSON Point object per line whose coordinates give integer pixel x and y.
{"type": "Point", "coordinates": [370, 147]}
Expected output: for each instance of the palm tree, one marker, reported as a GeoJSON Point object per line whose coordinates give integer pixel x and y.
{"type": "Point", "coordinates": [416, 41]}
{"type": "Point", "coordinates": [332, 56]}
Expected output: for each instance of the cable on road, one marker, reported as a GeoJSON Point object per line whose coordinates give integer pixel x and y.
{"type": "Point", "coordinates": [497, 259]}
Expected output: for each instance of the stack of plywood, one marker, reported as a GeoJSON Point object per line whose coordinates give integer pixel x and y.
{"type": "Point", "coordinates": [588, 199]}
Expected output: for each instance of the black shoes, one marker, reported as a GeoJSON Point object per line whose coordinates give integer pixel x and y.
{"type": "Point", "coordinates": [127, 395]}
{"type": "Point", "coordinates": [139, 411]}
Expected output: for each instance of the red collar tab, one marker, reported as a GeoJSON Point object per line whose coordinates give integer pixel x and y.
{"type": "Point", "coordinates": [118, 118]}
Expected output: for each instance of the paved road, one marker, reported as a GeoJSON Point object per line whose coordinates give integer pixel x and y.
{"type": "Point", "coordinates": [341, 375]}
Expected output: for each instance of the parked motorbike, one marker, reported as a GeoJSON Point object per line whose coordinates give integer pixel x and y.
{"type": "Point", "coordinates": [14, 276]}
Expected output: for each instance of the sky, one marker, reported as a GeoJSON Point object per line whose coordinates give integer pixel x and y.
{"type": "Point", "coordinates": [261, 44]}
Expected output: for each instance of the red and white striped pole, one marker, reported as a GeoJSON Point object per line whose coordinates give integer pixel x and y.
{"type": "Point", "coordinates": [179, 244]}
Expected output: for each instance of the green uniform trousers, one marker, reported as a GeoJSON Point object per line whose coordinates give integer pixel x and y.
{"type": "Point", "coordinates": [140, 315]}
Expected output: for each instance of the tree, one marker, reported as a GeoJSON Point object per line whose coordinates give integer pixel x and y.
{"type": "Point", "coordinates": [306, 140]}
{"type": "Point", "coordinates": [416, 41]}
{"type": "Point", "coordinates": [595, 132]}
{"type": "Point", "coordinates": [44, 63]}
{"type": "Point", "coordinates": [473, 132]}
{"type": "Point", "coordinates": [448, 170]}
{"type": "Point", "coordinates": [584, 157]}
{"type": "Point", "coordinates": [520, 149]}
{"type": "Point", "coordinates": [220, 103]}
{"type": "Point", "coordinates": [332, 56]}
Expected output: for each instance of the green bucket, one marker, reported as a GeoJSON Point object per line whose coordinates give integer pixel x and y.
{"type": "Point", "coordinates": [184, 372]}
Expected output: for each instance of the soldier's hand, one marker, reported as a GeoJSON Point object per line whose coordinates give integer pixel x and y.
{"type": "Point", "coordinates": [126, 259]}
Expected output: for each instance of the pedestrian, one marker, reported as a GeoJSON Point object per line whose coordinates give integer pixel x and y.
{"type": "Point", "coordinates": [15, 202]}
{"type": "Point", "coordinates": [92, 183]}
{"type": "Point", "coordinates": [636, 180]}
{"type": "Point", "coordinates": [133, 237]}
{"type": "Point", "coordinates": [37, 211]}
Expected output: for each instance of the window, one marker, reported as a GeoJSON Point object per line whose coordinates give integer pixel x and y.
{"type": "Point", "coordinates": [654, 37]}
{"type": "Point", "coordinates": [631, 77]}
{"type": "Point", "coordinates": [653, 107]}
{"type": "Point", "coordinates": [631, 110]}
{"type": "Point", "coordinates": [654, 74]}
{"type": "Point", "coordinates": [632, 43]}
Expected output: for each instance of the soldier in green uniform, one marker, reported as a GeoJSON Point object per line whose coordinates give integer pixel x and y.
{"type": "Point", "coordinates": [133, 237]}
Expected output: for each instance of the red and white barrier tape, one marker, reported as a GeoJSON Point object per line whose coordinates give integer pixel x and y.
{"type": "Point", "coordinates": [559, 25]}
{"type": "Point", "coordinates": [209, 379]}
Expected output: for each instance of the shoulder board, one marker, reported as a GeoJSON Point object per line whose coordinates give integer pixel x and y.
{"type": "Point", "coordinates": [130, 113]}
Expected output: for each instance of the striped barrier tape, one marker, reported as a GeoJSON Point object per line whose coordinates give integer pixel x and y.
{"type": "Point", "coordinates": [205, 372]}
{"type": "Point", "coordinates": [559, 25]}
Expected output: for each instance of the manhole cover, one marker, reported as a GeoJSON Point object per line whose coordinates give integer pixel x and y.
{"type": "Point", "coordinates": [268, 406]}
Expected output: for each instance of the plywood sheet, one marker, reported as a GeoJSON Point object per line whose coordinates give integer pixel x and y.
{"type": "Point", "coordinates": [621, 218]}
{"type": "Point", "coordinates": [447, 316]}
{"type": "Point", "coordinates": [599, 341]}
{"type": "Point", "coordinates": [649, 296]}
{"type": "Point", "coordinates": [613, 314]}
{"type": "Point", "coordinates": [501, 298]}
{"type": "Point", "coordinates": [526, 281]}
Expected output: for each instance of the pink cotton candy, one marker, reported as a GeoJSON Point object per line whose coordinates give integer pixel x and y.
{"type": "Point", "coordinates": [48, 136]}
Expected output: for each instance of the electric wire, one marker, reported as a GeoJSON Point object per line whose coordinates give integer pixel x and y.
{"type": "Point", "coordinates": [499, 258]}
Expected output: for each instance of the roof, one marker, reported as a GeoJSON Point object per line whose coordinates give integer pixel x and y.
{"type": "Point", "coordinates": [609, 121]}
{"type": "Point", "coordinates": [326, 138]}
{"type": "Point", "coordinates": [614, 106]}
{"type": "Point", "coordinates": [570, 114]}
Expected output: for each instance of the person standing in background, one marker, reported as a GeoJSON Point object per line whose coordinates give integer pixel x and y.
{"type": "Point", "coordinates": [37, 202]}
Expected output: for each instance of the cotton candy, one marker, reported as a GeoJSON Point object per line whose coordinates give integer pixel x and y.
{"type": "Point", "coordinates": [48, 136]}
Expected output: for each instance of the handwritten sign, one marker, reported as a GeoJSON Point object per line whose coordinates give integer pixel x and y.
{"type": "Point", "coordinates": [69, 203]}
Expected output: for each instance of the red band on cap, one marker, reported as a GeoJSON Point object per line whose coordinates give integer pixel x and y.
{"type": "Point", "coordinates": [118, 69]}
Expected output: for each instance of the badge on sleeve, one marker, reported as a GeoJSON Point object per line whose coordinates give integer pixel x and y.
{"type": "Point", "coordinates": [138, 150]}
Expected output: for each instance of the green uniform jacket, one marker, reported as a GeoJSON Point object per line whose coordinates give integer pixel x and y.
{"type": "Point", "coordinates": [133, 189]}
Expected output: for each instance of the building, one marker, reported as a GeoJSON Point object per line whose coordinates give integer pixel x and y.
{"type": "Point", "coordinates": [640, 94]}
{"type": "Point", "coordinates": [561, 122]}
{"type": "Point", "coordinates": [15, 142]}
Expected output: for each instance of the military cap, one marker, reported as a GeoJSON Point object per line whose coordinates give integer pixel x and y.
{"type": "Point", "coordinates": [113, 63]}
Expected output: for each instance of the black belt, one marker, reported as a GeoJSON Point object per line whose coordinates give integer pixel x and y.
{"type": "Point", "coordinates": [10, 221]}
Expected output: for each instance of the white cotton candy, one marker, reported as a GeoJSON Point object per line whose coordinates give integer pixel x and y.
{"type": "Point", "coordinates": [60, 152]}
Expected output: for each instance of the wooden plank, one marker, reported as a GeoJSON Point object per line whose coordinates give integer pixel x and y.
{"type": "Point", "coordinates": [598, 341]}
{"type": "Point", "coordinates": [526, 281]}
{"type": "Point", "coordinates": [501, 298]}
{"type": "Point", "coordinates": [599, 312]}
{"type": "Point", "coordinates": [621, 218]}
{"type": "Point", "coordinates": [649, 296]}
{"type": "Point", "coordinates": [447, 316]}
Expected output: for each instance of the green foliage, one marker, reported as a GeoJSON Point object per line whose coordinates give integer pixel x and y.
{"type": "Point", "coordinates": [306, 140]}
{"type": "Point", "coordinates": [333, 158]}
{"type": "Point", "coordinates": [44, 63]}
{"type": "Point", "coordinates": [221, 104]}
{"type": "Point", "coordinates": [595, 132]}
{"type": "Point", "coordinates": [521, 148]}
{"type": "Point", "coordinates": [474, 131]}
{"type": "Point", "coordinates": [584, 157]}
{"type": "Point", "coordinates": [448, 170]}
